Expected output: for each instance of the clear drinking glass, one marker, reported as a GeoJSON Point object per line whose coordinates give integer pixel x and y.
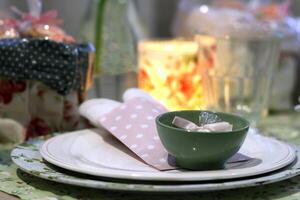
{"type": "Point", "coordinates": [237, 73]}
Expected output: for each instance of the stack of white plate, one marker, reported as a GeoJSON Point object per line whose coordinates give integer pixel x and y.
{"type": "Point", "coordinates": [101, 161]}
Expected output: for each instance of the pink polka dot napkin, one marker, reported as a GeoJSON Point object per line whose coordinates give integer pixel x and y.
{"type": "Point", "coordinates": [133, 123]}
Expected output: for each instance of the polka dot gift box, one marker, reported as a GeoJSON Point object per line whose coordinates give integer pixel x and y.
{"type": "Point", "coordinates": [44, 74]}
{"type": "Point", "coordinates": [41, 83]}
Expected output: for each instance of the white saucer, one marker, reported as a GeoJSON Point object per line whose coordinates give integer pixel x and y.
{"type": "Point", "coordinates": [96, 152]}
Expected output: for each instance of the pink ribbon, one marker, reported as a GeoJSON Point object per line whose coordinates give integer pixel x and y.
{"type": "Point", "coordinates": [9, 22]}
{"type": "Point", "coordinates": [49, 18]}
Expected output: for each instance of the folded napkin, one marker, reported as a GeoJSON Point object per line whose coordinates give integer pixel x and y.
{"type": "Point", "coordinates": [133, 123]}
{"type": "Point", "coordinates": [95, 108]}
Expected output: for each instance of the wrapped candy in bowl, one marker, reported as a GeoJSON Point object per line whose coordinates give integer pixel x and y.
{"type": "Point", "coordinates": [201, 140]}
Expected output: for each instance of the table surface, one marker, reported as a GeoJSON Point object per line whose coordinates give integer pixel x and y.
{"type": "Point", "coordinates": [284, 126]}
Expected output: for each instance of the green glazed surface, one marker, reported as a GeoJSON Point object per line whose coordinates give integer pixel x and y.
{"type": "Point", "coordinates": [199, 151]}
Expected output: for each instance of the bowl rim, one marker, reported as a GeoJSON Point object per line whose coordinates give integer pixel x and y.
{"type": "Point", "coordinates": [157, 120]}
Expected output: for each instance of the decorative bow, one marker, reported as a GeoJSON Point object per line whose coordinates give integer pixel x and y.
{"type": "Point", "coordinates": [50, 18]}
{"type": "Point", "coordinates": [9, 22]}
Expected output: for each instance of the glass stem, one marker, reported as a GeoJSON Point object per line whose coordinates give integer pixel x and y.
{"type": "Point", "coordinates": [99, 34]}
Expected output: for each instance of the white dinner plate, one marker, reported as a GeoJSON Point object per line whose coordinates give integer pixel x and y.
{"type": "Point", "coordinates": [96, 152]}
{"type": "Point", "coordinates": [28, 159]}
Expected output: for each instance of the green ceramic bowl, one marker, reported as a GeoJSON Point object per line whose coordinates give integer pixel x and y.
{"type": "Point", "coordinates": [201, 151]}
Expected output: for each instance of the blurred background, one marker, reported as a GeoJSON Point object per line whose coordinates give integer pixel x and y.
{"type": "Point", "coordinates": [152, 45]}
{"type": "Point", "coordinates": [156, 14]}
{"type": "Point", "coordinates": [156, 19]}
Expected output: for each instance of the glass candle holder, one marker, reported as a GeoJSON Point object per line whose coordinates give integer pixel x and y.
{"type": "Point", "coordinates": [168, 70]}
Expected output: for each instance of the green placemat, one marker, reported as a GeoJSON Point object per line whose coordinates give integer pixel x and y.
{"type": "Point", "coordinates": [18, 183]}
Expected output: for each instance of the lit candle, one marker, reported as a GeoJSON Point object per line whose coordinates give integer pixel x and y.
{"type": "Point", "coordinates": [168, 70]}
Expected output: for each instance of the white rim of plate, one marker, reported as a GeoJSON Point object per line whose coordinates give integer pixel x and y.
{"type": "Point", "coordinates": [172, 175]}
{"type": "Point", "coordinates": [146, 187]}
